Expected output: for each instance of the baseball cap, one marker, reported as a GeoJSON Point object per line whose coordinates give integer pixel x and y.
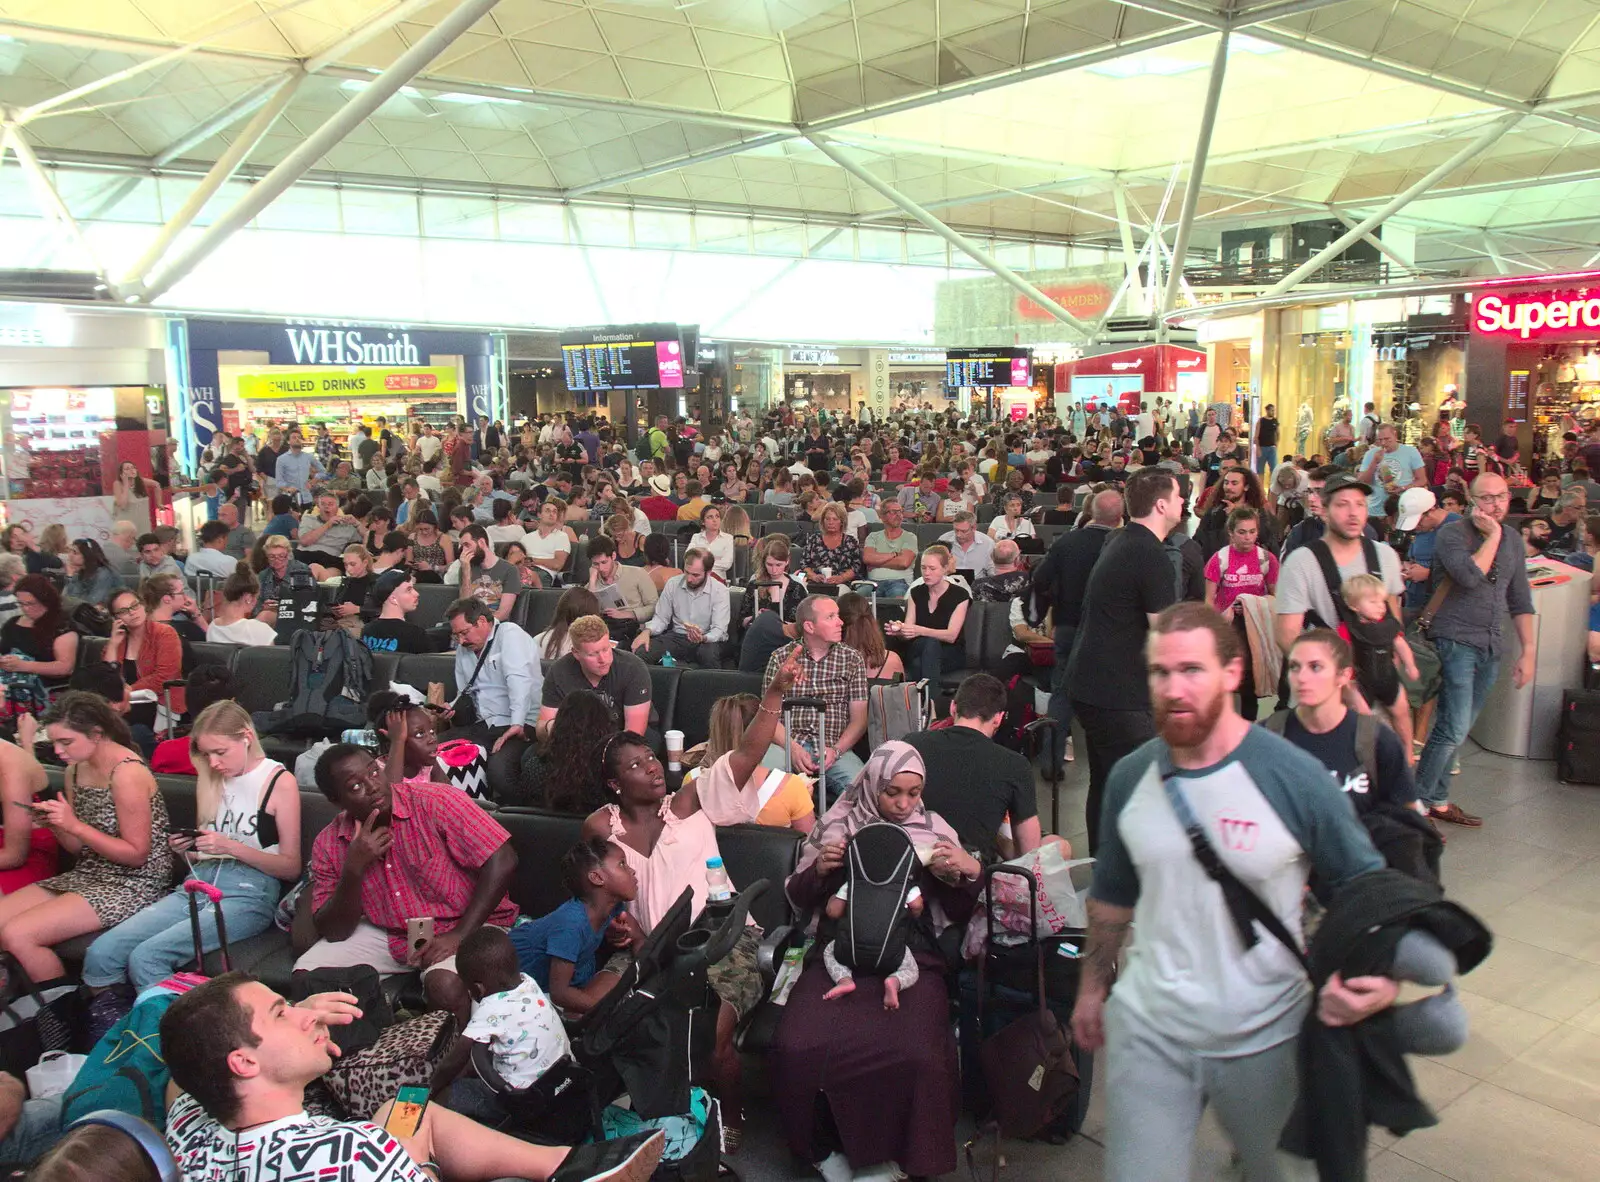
{"type": "Point", "coordinates": [388, 583]}
{"type": "Point", "coordinates": [1340, 481]}
{"type": "Point", "coordinates": [1414, 502]}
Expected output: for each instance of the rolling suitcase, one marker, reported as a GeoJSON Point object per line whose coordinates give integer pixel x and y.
{"type": "Point", "coordinates": [1578, 738]}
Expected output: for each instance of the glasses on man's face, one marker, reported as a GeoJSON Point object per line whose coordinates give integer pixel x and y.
{"type": "Point", "coordinates": [1494, 498]}
{"type": "Point", "coordinates": [460, 634]}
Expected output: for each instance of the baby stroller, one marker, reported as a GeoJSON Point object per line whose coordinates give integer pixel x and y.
{"type": "Point", "coordinates": [651, 1038]}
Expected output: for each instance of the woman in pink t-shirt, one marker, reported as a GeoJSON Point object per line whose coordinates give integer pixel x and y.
{"type": "Point", "coordinates": [1241, 568]}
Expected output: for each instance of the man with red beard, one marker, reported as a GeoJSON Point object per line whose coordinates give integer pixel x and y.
{"type": "Point", "coordinates": [1208, 1005]}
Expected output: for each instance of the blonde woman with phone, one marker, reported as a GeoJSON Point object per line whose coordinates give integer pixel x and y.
{"type": "Point", "coordinates": [246, 843]}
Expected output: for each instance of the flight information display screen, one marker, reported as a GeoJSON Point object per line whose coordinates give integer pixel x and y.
{"type": "Point", "coordinates": [623, 357]}
{"type": "Point", "coordinates": [988, 367]}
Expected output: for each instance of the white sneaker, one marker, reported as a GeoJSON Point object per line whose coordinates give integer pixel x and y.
{"type": "Point", "coordinates": [1069, 750]}
{"type": "Point", "coordinates": [835, 1168]}
{"type": "Point", "coordinates": [886, 1171]}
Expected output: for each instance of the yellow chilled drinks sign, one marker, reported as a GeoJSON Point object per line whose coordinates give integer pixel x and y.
{"type": "Point", "coordinates": [359, 382]}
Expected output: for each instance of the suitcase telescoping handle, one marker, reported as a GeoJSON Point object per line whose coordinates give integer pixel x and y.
{"type": "Point", "coordinates": [991, 873]}
{"type": "Point", "coordinates": [195, 888]}
{"type": "Point", "coordinates": [790, 705]}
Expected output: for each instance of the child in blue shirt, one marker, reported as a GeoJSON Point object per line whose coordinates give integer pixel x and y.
{"type": "Point", "coordinates": [283, 521]}
{"type": "Point", "coordinates": [558, 950]}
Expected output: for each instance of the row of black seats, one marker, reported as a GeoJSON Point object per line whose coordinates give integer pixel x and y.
{"type": "Point", "coordinates": [750, 853]}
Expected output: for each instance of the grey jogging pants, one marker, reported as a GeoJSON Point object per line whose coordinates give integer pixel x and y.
{"type": "Point", "coordinates": [1156, 1091]}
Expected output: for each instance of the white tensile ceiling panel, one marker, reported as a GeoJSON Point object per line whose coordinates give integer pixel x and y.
{"type": "Point", "coordinates": [1039, 156]}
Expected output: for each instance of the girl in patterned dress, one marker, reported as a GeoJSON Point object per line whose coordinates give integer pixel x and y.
{"type": "Point", "coordinates": [111, 816]}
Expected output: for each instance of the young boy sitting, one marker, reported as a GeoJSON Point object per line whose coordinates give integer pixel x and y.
{"type": "Point", "coordinates": [558, 950]}
{"type": "Point", "coordinates": [512, 1015]}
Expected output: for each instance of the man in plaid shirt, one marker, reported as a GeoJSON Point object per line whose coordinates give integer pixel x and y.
{"type": "Point", "coordinates": [402, 850]}
{"type": "Point", "coordinates": [835, 673]}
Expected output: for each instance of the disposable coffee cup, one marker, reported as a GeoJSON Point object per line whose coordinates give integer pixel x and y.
{"type": "Point", "coordinates": [674, 750]}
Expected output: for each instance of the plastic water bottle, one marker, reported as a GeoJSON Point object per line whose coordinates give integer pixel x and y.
{"type": "Point", "coordinates": [718, 888]}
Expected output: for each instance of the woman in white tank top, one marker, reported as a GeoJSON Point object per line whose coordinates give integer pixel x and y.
{"type": "Point", "coordinates": [247, 844]}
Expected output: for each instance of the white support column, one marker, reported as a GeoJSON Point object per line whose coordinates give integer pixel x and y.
{"type": "Point", "coordinates": [245, 105]}
{"type": "Point", "coordinates": [221, 172]}
{"type": "Point", "coordinates": [1383, 247]}
{"type": "Point", "coordinates": [299, 161]}
{"type": "Point", "coordinates": [894, 196]}
{"type": "Point", "coordinates": [357, 37]}
{"type": "Point", "coordinates": [44, 192]}
{"type": "Point", "coordinates": [1197, 172]}
{"type": "Point", "coordinates": [1130, 255]}
{"type": "Point", "coordinates": [1332, 251]}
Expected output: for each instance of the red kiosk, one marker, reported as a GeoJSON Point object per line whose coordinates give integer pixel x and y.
{"type": "Point", "coordinates": [1129, 376]}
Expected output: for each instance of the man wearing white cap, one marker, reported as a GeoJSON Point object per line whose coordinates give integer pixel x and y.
{"type": "Point", "coordinates": [1421, 516]}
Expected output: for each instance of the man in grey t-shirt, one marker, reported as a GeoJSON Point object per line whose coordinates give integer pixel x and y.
{"type": "Point", "coordinates": [1303, 591]}
{"type": "Point", "coordinates": [1198, 1017]}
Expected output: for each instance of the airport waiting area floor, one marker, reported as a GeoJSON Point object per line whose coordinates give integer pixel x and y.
{"type": "Point", "coordinates": [1521, 1102]}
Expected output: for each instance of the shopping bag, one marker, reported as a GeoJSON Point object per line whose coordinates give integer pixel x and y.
{"type": "Point", "coordinates": [1058, 905]}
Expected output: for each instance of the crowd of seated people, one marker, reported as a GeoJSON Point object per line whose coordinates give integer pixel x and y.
{"type": "Point", "coordinates": [817, 557]}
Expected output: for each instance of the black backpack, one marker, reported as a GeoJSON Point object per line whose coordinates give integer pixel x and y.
{"type": "Point", "coordinates": [330, 677]}
{"type": "Point", "coordinates": [1331, 576]}
{"type": "Point", "coordinates": [880, 867]}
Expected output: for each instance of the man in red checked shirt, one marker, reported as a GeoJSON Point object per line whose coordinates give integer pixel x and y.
{"type": "Point", "coordinates": [403, 850]}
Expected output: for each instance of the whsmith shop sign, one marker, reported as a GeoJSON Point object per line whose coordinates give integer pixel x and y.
{"type": "Point", "coordinates": [319, 347]}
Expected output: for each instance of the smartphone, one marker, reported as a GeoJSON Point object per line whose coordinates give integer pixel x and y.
{"type": "Point", "coordinates": [189, 833]}
{"type": "Point", "coordinates": [405, 1118]}
{"type": "Point", "coordinates": [419, 932]}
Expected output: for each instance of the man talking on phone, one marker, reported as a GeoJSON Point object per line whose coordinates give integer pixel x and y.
{"type": "Point", "coordinates": [241, 1059]}
{"type": "Point", "coordinates": [1488, 578]}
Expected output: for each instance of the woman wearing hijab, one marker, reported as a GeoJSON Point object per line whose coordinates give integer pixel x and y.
{"type": "Point", "coordinates": [864, 1092]}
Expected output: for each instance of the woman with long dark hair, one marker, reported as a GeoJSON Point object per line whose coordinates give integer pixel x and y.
{"type": "Point", "coordinates": [38, 651]}
{"type": "Point", "coordinates": [90, 577]}
{"type": "Point", "coordinates": [564, 775]}
{"type": "Point", "coordinates": [576, 602]}
{"type": "Point", "coordinates": [147, 654]}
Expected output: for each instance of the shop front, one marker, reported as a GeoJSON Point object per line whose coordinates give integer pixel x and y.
{"type": "Point", "coordinates": [250, 375]}
{"type": "Point", "coordinates": [1321, 360]}
{"type": "Point", "coordinates": [81, 392]}
{"type": "Point", "coordinates": [1534, 358]}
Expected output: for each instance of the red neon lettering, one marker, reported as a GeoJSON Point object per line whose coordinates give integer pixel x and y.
{"type": "Point", "coordinates": [1535, 315]}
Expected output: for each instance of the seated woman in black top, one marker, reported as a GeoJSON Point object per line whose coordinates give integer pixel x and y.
{"type": "Point", "coordinates": [37, 648]}
{"type": "Point", "coordinates": [936, 612]}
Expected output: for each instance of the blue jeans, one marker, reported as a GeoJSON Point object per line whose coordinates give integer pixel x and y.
{"type": "Point", "coordinates": [1467, 675]}
{"type": "Point", "coordinates": [1060, 699]}
{"type": "Point", "coordinates": [1266, 462]}
{"type": "Point", "coordinates": [841, 773]}
{"type": "Point", "coordinates": [36, 1132]}
{"type": "Point", "coordinates": [151, 946]}
{"type": "Point", "coordinates": [932, 657]}
{"type": "Point", "coordinates": [893, 589]}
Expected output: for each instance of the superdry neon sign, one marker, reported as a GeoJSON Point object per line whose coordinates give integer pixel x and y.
{"type": "Point", "coordinates": [1537, 314]}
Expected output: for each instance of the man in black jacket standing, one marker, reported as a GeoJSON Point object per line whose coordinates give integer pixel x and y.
{"type": "Point", "coordinates": [1064, 575]}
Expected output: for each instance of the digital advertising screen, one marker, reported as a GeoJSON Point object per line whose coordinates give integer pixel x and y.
{"type": "Point", "coordinates": [623, 357]}
{"type": "Point", "coordinates": [988, 367]}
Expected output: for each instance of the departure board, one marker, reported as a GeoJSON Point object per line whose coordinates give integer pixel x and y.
{"type": "Point", "coordinates": [623, 357]}
{"type": "Point", "coordinates": [988, 367]}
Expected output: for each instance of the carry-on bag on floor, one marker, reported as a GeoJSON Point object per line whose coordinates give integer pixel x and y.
{"type": "Point", "coordinates": [126, 1070]}
{"type": "Point", "coordinates": [1578, 738]}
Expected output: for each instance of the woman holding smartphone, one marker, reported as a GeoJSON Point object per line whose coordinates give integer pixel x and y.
{"type": "Point", "coordinates": [111, 817]}
{"type": "Point", "coordinates": [247, 809]}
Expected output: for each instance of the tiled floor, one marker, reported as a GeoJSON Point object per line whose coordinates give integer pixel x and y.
{"type": "Point", "coordinates": [1521, 1102]}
